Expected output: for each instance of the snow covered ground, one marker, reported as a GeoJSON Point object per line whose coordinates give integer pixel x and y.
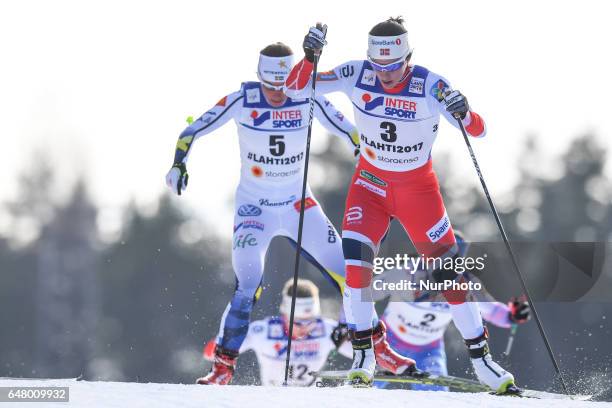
{"type": "Point", "coordinates": [115, 394]}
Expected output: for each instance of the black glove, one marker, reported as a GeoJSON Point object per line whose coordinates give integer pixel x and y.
{"type": "Point", "coordinates": [340, 334]}
{"type": "Point", "coordinates": [520, 311]}
{"type": "Point", "coordinates": [177, 178]}
{"type": "Point", "coordinates": [314, 41]}
{"type": "Point", "coordinates": [456, 104]}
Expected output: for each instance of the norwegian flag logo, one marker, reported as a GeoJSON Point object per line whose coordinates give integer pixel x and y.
{"type": "Point", "coordinates": [385, 51]}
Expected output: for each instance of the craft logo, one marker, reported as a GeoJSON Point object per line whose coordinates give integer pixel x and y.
{"type": "Point", "coordinates": [331, 234]}
{"type": "Point", "coordinates": [354, 214]}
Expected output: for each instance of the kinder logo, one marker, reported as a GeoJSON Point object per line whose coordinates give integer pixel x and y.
{"type": "Point", "coordinates": [440, 229]}
{"type": "Point", "coordinates": [259, 119]}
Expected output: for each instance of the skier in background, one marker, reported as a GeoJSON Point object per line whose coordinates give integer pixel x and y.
{"type": "Point", "coordinates": [312, 341]}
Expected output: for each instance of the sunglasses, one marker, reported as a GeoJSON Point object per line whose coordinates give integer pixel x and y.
{"type": "Point", "coordinates": [394, 66]}
{"type": "Point", "coordinates": [270, 86]}
{"type": "Point", "coordinates": [303, 323]}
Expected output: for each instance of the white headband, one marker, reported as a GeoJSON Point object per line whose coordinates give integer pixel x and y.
{"type": "Point", "coordinates": [274, 69]}
{"type": "Point", "coordinates": [388, 47]}
{"type": "Point", "coordinates": [305, 307]}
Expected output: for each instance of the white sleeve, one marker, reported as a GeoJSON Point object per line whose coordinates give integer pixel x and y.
{"type": "Point", "coordinates": [496, 313]}
{"type": "Point", "coordinates": [335, 122]}
{"type": "Point", "coordinates": [437, 86]}
{"type": "Point", "coordinates": [227, 108]}
{"type": "Point", "coordinates": [340, 79]}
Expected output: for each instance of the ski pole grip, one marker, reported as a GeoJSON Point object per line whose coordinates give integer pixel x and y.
{"type": "Point", "coordinates": [323, 28]}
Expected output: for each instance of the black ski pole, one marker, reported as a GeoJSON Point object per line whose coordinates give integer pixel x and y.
{"type": "Point", "coordinates": [513, 329]}
{"type": "Point", "coordinates": [302, 207]}
{"type": "Point", "coordinates": [512, 257]}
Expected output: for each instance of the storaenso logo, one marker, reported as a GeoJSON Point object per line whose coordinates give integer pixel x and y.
{"type": "Point", "coordinates": [369, 176]}
{"type": "Point", "coordinates": [440, 229]}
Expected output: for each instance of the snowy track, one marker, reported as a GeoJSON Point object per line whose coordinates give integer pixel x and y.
{"type": "Point", "coordinates": [115, 394]}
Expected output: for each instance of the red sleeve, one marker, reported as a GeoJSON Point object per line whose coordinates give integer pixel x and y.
{"type": "Point", "coordinates": [300, 75]}
{"type": "Point", "coordinates": [477, 126]}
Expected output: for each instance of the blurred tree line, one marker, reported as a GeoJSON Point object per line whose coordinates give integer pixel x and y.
{"type": "Point", "coordinates": [140, 306]}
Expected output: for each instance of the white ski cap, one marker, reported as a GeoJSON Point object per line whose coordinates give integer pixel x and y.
{"type": "Point", "coordinates": [388, 47]}
{"type": "Point", "coordinates": [305, 307]}
{"type": "Point", "coordinates": [274, 69]}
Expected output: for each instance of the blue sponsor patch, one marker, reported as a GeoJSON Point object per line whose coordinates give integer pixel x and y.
{"type": "Point", "coordinates": [327, 76]}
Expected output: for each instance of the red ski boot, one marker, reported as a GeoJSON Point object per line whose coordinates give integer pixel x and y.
{"type": "Point", "coordinates": [223, 368]}
{"type": "Point", "coordinates": [386, 357]}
